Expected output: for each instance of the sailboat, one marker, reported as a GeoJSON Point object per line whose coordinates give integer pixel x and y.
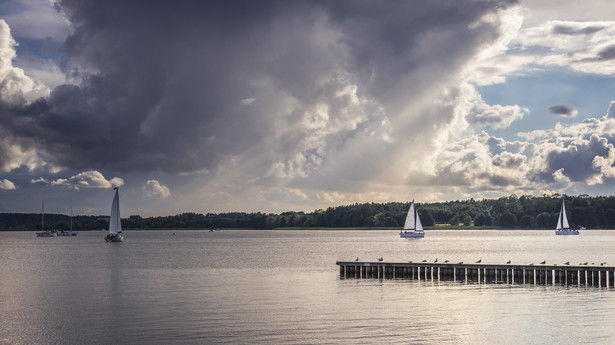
{"type": "Point", "coordinates": [562, 227]}
{"type": "Point", "coordinates": [71, 232]}
{"type": "Point", "coordinates": [44, 233]}
{"type": "Point", "coordinates": [115, 222]}
{"type": "Point", "coordinates": [413, 226]}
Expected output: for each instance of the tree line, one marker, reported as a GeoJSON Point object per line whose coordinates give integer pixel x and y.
{"type": "Point", "coordinates": [524, 212]}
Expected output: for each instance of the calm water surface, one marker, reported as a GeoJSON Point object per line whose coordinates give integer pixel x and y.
{"type": "Point", "coordinates": [283, 287]}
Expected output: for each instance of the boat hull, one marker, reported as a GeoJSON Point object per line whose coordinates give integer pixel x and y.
{"type": "Point", "coordinates": [567, 232]}
{"type": "Point", "coordinates": [412, 234]}
{"type": "Point", "coordinates": [46, 234]}
{"type": "Point", "coordinates": [116, 238]}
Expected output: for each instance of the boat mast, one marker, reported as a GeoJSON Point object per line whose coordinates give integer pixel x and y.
{"type": "Point", "coordinates": [415, 216]}
{"type": "Point", "coordinates": [43, 216]}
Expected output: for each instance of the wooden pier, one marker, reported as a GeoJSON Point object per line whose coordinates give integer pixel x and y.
{"type": "Point", "coordinates": [581, 276]}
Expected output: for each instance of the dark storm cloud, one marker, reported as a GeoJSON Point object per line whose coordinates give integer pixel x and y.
{"type": "Point", "coordinates": [577, 159]}
{"type": "Point", "coordinates": [576, 30]}
{"type": "Point", "coordinates": [607, 53]}
{"type": "Point", "coordinates": [180, 86]}
{"type": "Point", "coordinates": [564, 110]}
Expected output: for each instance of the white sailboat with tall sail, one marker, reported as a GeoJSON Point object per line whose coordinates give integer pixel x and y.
{"type": "Point", "coordinates": [563, 228]}
{"type": "Point", "coordinates": [43, 233]}
{"type": "Point", "coordinates": [412, 226]}
{"type": "Point", "coordinates": [115, 222]}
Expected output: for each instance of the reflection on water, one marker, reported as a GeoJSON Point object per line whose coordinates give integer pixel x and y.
{"type": "Point", "coordinates": [283, 287]}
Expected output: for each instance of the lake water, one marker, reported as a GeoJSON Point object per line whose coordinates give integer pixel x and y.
{"type": "Point", "coordinates": [283, 287]}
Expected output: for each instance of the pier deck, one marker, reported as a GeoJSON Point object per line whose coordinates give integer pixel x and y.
{"type": "Point", "coordinates": [573, 275]}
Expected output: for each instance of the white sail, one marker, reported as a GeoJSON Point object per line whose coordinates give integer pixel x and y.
{"type": "Point", "coordinates": [115, 223]}
{"type": "Point", "coordinates": [562, 220]}
{"type": "Point", "coordinates": [419, 226]}
{"type": "Point", "coordinates": [410, 223]}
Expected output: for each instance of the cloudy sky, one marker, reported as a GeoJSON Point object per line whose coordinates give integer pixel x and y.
{"type": "Point", "coordinates": [274, 106]}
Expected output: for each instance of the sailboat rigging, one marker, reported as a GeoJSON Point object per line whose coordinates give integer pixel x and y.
{"type": "Point", "coordinates": [70, 232]}
{"type": "Point", "coordinates": [43, 233]}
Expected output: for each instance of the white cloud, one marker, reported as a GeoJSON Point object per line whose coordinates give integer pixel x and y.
{"type": "Point", "coordinates": [7, 184]}
{"type": "Point", "coordinates": [89, 179]}
{"type": "Point", "coordinates": [17, 88]}
{"type": "Point", "coordinates": [153, 188]}
{"type": "Point", "coordinates": [480, 114]}
{"type": "Point", "coordinates": [13, 156]}
{"type": "Point", "coordinates": [247, 101]}
{"type": "Point", "coordinates": [471, 162]}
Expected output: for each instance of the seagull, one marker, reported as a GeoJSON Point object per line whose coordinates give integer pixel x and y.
{"type": "Point", "coordinates": [543, 262]}
{"type": "Point", "coordinates": [357, 259]}
{"type": "Point", "coordinates": [585, 264]}
{"type": "Point", "coordinates": [479, 261]}
{"type": "Point", "coordinates": [410, 261]}
{"type": "Point", "coordinates": [446, 261]}
{"type": "Point", "coordinates": [380, 259]}
{"type": "Point", "coordinates": [436, 260]}
{"type": "Point", "coordinates": [461, 262]}
{"type": "Point", "coordinates": [602, 264]}
{"type": "Point", "coordinates": [424, 260]}
{"type": "Point", "coordinates": [508, 262]}
{"type": "Point", "coordinates": [567, 263]}
{"type": "Point", "coordinates": [532, 264]}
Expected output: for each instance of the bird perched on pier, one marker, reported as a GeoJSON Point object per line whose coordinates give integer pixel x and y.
{"type": "Point", "coordinates": [479, 261]}
{"type": "Point", "coordinates": [543, 262]}
{"type": "Point", "coordinates": [436, 261]}
{"type": "Point", "coordinates": [567, 263]}
{"type": "Point", "coordinates": [602, 264]}
{"type": "Point", "coordinates": [461, 262]}
{"type": "Point", "coordinates": [585, 264]}
{"type": "Point", "coordinates": [380, 259]}
{"type": "Point", "coordinates": [357, 259]}
{"type": "Point", "coordinates": [532, 264]}
{"type": "Point", "coordinates": [425, 260]}
{"type": "Point", "coordinates": [446, 261]}
{"type": "Point", "coordinates": [508, 262]}
{"type": "Point", "coordinates": [410, 261]}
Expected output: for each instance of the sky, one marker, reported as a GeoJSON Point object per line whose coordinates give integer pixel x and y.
{"type": "Point", "coordinates": [273, 106]}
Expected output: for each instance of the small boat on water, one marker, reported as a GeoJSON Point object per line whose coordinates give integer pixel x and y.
{"type": "Point", "coordinates": [563, 228]}
{"type": "Point", "coordinates": [70, 232]}
{"type": "Point", "coordinates": [412, 226]}
{"type": "Point", "coordinates": [43, 233]}
{"type": "Point", "coordinates": [115, 222]}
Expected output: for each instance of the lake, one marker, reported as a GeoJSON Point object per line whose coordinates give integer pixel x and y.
{"type": "Point", "coordinates": [283, 287]}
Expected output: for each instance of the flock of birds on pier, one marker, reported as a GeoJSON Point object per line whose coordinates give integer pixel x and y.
{"type": "Point", "coordinates": [544, 262]}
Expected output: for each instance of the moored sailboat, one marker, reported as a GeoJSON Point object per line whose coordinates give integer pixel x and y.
{"type": "Point", "coordinates": [70, 232]}
{"type": "Point", "coordinates": [563, 228]}
{"type": "Point", "coordinates": [412, 226]}
{"type": "Point", "coordinates": [115, 222]}
{"type": "Point", "coordinates": [43, 233]}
